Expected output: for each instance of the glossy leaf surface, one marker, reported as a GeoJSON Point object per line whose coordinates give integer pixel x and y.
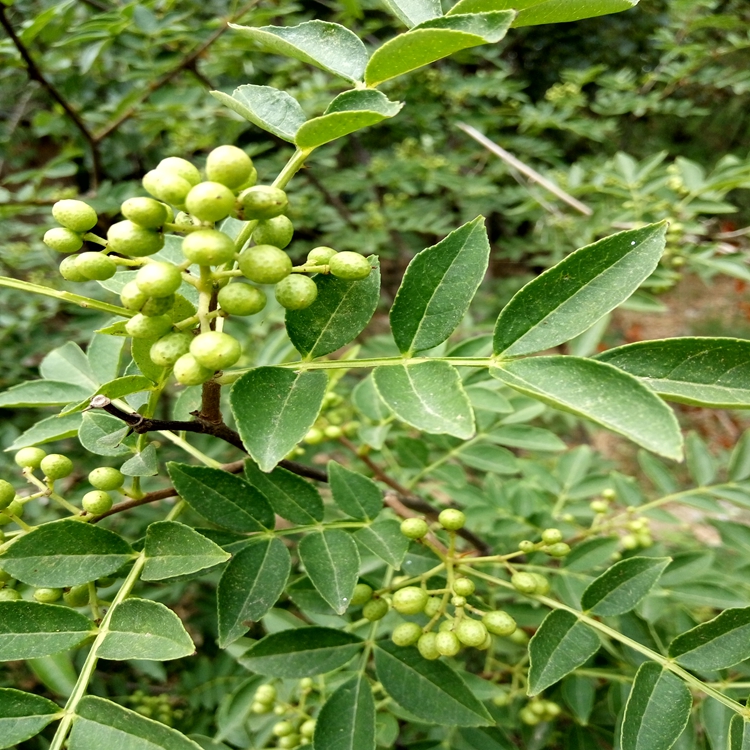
{"type": "Point", "coordinates": [290, 496]}
{"type": "Point", "coordinates": [357, 495]}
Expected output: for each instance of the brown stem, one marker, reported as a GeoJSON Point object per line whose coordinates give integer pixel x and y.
{"type": "Point", "coordinates": [36, 74]}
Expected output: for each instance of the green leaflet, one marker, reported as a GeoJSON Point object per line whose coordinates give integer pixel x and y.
{"type": "Point", "coordinates": [598, 392]}
{"type": "Point", "coordinates": [571, 296]}
{"type": "Point", "coordinates": [173, 549]}
{"type": "Point", "coordinates": [142, 629]}
{"type": "Point", "coordinates": [560, 645]}
{"type": "Point", "coordinates": [716, 644]}
{"type": "Point", "coordinates": [430, 690]}
{"type": "Point", "coordinates": [326, 45]}
{"type": "Point", "coordinates": [739, 734]}
{"type": "Point", "coordinates": [347, 113]}
{"type": "Point", "coordinates": [274, 407]}
{"type": "Point", "coordinates": [428, 396]}
{"type": "Point", "coordinates": [23, 715]}
{"type": "Point", "coordinates": [102, 433]}
{"type": "Point", "coordinates": [69, 364]}
{"type": "Point", "coordinates": [701, 371]}
{"type": "Point", "coordinates": [143, 464]}
{"type": "Point", "coordinates": [563, 11]}
{"type": "Point", "coordinates": [413, 12]}
{"type": "Point", "coordinates": [47, 430]}
{"type": "Point", "coordinates": [347, 720]}
{"type": "Point", "coordinates": [331, 560]}
{"type": "Point", "coordinates": [621, 587]}
{"type": "Point", "coordinates": [357, 495]}
{"type": "Point", "coordinates": [65, 553]}
{"type": "Point", "coordinates": [268, 108]}
{"type": "Point", "coordinates": [100, 723]}
{"type": "Point", "coordinates": [222, 498]}
{"type": "Point", "coordinates": [527, 437]}
{"type": "Point", "coordinates": [301, 652]}
{"type": "Point", "coordinates": [433, 40]}
{"type": "Point", "coordinates": [438, 287]}
{"type": "Point", "coordinates": [42, 393]}
{"type": "Point", "coordinates": [250, 585]}
{"type": "Point", "coordinates": [290, 496]}
{"type": "Point", "coordinates": [384, 539]}
{"type": "Point", "coordinates": [657, 710]}
{"type": "Point", "coordinates": [116, 388]}
{"type": "Point", "coordinates": [339, 314]}
{"type": "Point", "coordinates": [29, 630]}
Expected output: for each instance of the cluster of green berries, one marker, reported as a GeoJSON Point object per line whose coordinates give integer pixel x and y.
{"type": "Point", "coordinates": [290, 732]}
{"type": "Point", "coordinates": [335, 421]}
{"type": "Point", "coordinates": [229, 190]}
{"type": "Point", "coordinates": [537, 711]}
{"type": "Point", "coordinates": [157, 707]}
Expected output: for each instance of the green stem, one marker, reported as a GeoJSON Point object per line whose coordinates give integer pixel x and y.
{"type": "Point", "coordinates": [291, 167]}
{"type": "Point", "coordinates": [76, 299]}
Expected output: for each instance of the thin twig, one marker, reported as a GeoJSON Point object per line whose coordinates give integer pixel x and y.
{"type": "Point", "coordinates": [36, 74]}
{"type": "Point", "coordinates": [532, 174]}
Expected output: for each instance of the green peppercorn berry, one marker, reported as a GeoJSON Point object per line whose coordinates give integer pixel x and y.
{"type": "Point", "coordinates": [56, 466]}
{"type": "Point", "coordinates": [433, 606]}
{"type": "Point", "coordinates": [552, 536]}
{"type": "Point", "coordinates": [463, 586]}
{"type": "Point", "coordinates": [599, 506]}
{"type": "Point", "coordinates": [260, 708]}
{"type": "Point", "coordinates": [146, 212]}
{"type": "Point", "coordinates": [69, 270]}
{"type": "Point", "coordinates": [296, 292]}
{"type": "Point", "coordinates": [265, 694]}
{"type": "Point", "coordinates": [47, 596]}
{"type": "Point", "coordinates": [210, 201]}
{"type": "Point", "coordinates": [127, 238]}
{"type": "Point", "coordinates": [7, 494]}
{"type": "Point", "coordinates": [106, 478]}
{"type": "Point", "coordinates": [229, 165]}
{"type": "Point", "coordinates": [241, 299]}
{"type": "Point", "coordinates": [471, 632]}
{"type": "Point", "coordinates": [350, 266]}
{"type": "Point", "coordinates": [63, 240]}
{"type": "Point", "coordinates": [188, 371]}
{"type": "Point", "coordinates": [9, 595]}
{"type": "Point", "coordinates": [308, 728]}
{"type": "Point", "coordinates": [524, 582]}
{"type": "Point", "coordinates": [105, 582]}
{"type": "Point", "coordinates": [527, 716]}
{"type": "Point", "coordinates": [168, 349]}
{"type": "Point", "coordinates": [144, 327]}
{"type": "Point", "coordinates": [262, 202]}
{"type": "Point", "coordinates": [414, 528]}
{"type": "Point", "coordinates": [283, 728]}
{"type": "Point", "coordinates": [166, 186]}
{"type": "Point", "coordinates": [314, 436]}
{"type": "Point", "coordinates": [29, 457]}
{"type": "Point", "coordinates": [427, 646]}
{"type": "Point", "coordinates": [75, 215]}
{"type": "Point", "coordinates": [458, 601]}
{"type": "Point", "coordinates": [96, 266]}
{"type": "Point", "coordinates": [362, 594]}
{"type": "Point", "coordinates": [447, 643]}
{"type": "Point", "coordinates": [485, 644]}
{"type": "Point", "coordinates": [452, 519]}
{"type": "Point", "coordinates": [320, 256]}
{"type": "Point", "coordinates": [208, 247]}
{"type": "Point", "coordinates": [499, 622]}
{"type": "Point", "coordinates": [265, 264]}
{"type": "Point", "coordinates": [155, 306]}
{"type": "Point", "coordinates": [375, 609]}
{"type": "Point", "coordinates": [131, 296]}
{"type": "Point", "coordinates": [609, 494]}
{"type": "Point", "coordinates": [158, 279]}
{"type": "Point", "coordinates": [542, 584]}
{"type": "Point", "coordinates": [410, 600]}
{"type": "Point", "coordinates": [77, 596]}
{"type": "Point", "coordinates": [333, 432]}
{"type": "Point", "coordinates": [97, 502]}
{"type": "Point", "coordinates": [526, 545]}
{"type": "Point", "coordinates": [305, 683]}
{"type": "Point", "coordinates": [289, 742]}
{"type": "Point", "coordinates": [277, 232]}
{"type": "Point", "coordinates": [560, 549]}
{"type": "Point", "coordinates": [14, 509]}
{"type": "Point", "coordinates": [215, 350]}
{"type": "Point", "coordinates": [182, 167]}
{"type": "Point", "coordinates": [406, 634]}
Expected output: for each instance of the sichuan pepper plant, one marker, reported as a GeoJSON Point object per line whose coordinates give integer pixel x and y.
{"type": "Point", "coordinates": [381, 611]}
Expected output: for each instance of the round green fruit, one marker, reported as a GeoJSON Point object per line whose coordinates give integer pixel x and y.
{"type": "Point", "coordinates": [265, 264]}
{"type": "Point", "coordinates": [265, 694]}
{"type": "Point", "coordinates": [229, 165]}
{"type": "Point", "coordinates": [144, 327]}
{"type": "Point", "coordinates": [56, 466]}
{"type": "Point", "coordinates": [320, 256]}
{"type": "Point", "coordinates": [241, 299]}
{"type": "Point", "coordinates": [63, 240]}
{"type": "Point", "coordinates": [46, 595]}
{"type": "Point", "coordinates": [210, 201]}
{"type": "Point", "coordinates": [166, 186]}
{"type": "Point", "coordinates": [427, 646]}
{"type": "Point", "coordinates": [97, 502]}
{"type": "Point", "coordinates": [414, 528]}
{"type": "Point", "coordinates": [127, 238]}
{"type": "Point", "coordinates": [96, 266]}
{"type": "Point", "coordinates": [29, 457]}
{"type": "Point", "coordinates": [75, 215]}
{"type": "Point", "coordinates": [375, 609]}
{"type": "Point", "coordinates": [263, 202]}
{"type": "Point", "coordinates": [410, 600]}
{"type": "Point", "coordinates": [463, 586]}
{"type": "Point", "coordinates": [215, 350]}
{"type": "Point", "coordinates": [552, 536]}
{"type": "Point", "coordinates": [158, 279]}
{"type": "Point", "coordinates": [447, 643]}
{"type": "Point", "coordinates": [458, 601]}
{"type": "Point", "coordinates": [350, 266]}
{"type": "Point", "coordinates": [69, 270]}
{"type": "Point", "coordinates": [308, 728]}
{"type": "Point", "coordinates": [106, 478]}
{"type": "Point", "coordinates": [452, 519]}
{"type": "Point", "coordinates": [471, 632]}
{"type": "Point", "coordinates": [283, 728]}
{"type": "Point", "coordinates": [433, 606]}
{"type": "Point", "coordinates": [558, 550]}
{"type": "Point", "coordinates": [289, 742]}
{"type": "Point", "coordinates": [188, 371]}
{"type": "Point", "coordinates": [168, 349]}
{"type": "Point", "coordinates": [362, 594]}
{"type": "Point", "coordinates": [77, 596]}
{"type": "Point", "coordinates": [296, 292]}
{"type": "Point", "coordinates": [181, 167]}
{"type": "Point", "coordinates": [146, 212]}
{"type": "Point", "coordinates": [542, 584]}
{"type": "Point", "coordinates": [406, 634]}
{"type": "Point", "coordinates": [7, 494]}
{"type": "Point", "coordinates": [524, 582]}
{"type": "Point", "coordinates": [131, 296]}
{"type": "Point", "coordinates": [9, 595]}
{"type": "Point", "coordinates": [526, 545]}
{"type": "Point", "coordinates": [259, 708]}
{"type": "Point", "coordinates": [277, 232]}
{"type": "Point", "coordinates": [208, 247]}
